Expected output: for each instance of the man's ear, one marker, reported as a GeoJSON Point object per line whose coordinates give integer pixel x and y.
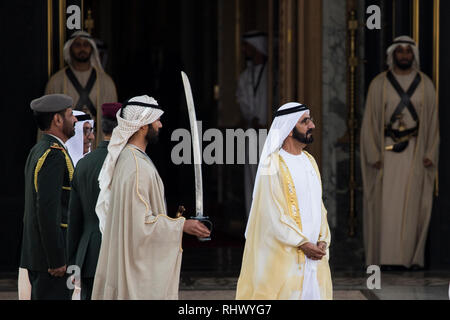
{"type": "Point", "coordinates": [144, 129]}
{"type": "Point", "coordinates": [58, 119]}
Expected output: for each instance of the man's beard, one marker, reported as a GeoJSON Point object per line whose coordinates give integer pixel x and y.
{"type": "Point", "coordinates": [152, 136]}
{"type": "Point", "coordinates": [80, 59]}
{"type": "Point", "coordinates": [86, 147]}
{"type": "Point", "coordinates": [303, 138]}
{"type": "Point", "coordinates": [403, 64]}
{"type": "Point", "coordinates": [68, 128]}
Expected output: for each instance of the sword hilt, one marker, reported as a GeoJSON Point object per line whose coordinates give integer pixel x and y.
{"type": "Point", "coordinates": [207, 223]}
{"type": "Point", "coordinates": [181, 210]}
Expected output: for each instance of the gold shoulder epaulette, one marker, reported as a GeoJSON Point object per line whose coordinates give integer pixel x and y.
{"type": "Point", "coordinates": [41, 161]}
{"type": "Point", "coordinates": [56, 146]}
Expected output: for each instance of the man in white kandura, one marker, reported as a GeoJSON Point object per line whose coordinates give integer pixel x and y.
{"type": "Point", "coordinates": [80, 144]}
{"type": "Point", "coordinates": [140, 254]}
{"type": "Point", "coordinates": [287, 238]}
{"type": "Point", "coordinates": [251, 95]}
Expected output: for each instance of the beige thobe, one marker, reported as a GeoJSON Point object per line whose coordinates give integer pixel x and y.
{"type": "Point", "coordinates": [398, 198]}
{"type": "Point", "coordinates": [140, 255]}
{"type": "Point", "coordinates": [103, 91]}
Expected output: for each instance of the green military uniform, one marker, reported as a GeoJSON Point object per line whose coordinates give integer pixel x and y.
{"type": "Point", "coordinates": [83, 235]}
{"type": "Point", "coordinates": [48, 174]}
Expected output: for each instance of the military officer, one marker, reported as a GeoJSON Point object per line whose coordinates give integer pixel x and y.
{"type": "Point", "coordinates": [83, 235]}
{"type": "Point", "coordinates": [48, 173]}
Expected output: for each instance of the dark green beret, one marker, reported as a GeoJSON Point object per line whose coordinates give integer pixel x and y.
{"type": "Point", "coordinates": [52, 103]}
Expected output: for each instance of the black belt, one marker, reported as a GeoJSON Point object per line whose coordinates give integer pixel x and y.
{"type": "Point", "coordinates": [402, 136]}
{"type": "Point", "coordinates": [397, 135]}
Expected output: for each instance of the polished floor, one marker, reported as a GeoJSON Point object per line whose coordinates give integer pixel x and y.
{"type": "Point", "coordinates": [348, 285]}
{"type": "Point", "coordinates": [210, 271]}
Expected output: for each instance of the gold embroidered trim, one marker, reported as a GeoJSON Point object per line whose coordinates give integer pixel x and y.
{"type": "Point", "coordinates": [137, 181]}
{"type": "Point", "coordinates": [39, 165]}
{"type": "Point", "coordinates": [291, 194]}
{"type": "Point", "coordinates": [293, 208]}
{"type": "Point", "coordinates": [164, 216]}
{"type": "Point", "coordinates": [146, 205]}
{"type": "Point", "coordinates": [64, 225]}
{"type": "Point", "coordinates": [41, 161]}
{"type": "Point", "coordinates": [69, 164]}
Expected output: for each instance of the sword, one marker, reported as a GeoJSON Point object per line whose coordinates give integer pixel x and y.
{"type": "Point", "coordinates": [197, 156]}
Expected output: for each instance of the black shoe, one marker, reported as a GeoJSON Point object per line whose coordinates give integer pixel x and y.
{"type": "Point", "coordinates": [386, 268]}
{"type": "Point", "coordinates": [416, 267]}
{"type": "Point", "coordinates": [393, 268]}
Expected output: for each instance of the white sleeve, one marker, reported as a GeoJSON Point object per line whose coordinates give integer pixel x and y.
{"type": "Point", "coordinates": [244, 98]}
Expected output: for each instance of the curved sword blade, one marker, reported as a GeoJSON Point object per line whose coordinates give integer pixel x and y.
{"type": "Point", "coordinates": [195, 146]}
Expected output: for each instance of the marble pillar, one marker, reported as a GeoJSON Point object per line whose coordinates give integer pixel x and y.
{"type": "Point", "coordinates": [334, 109]}
{"type": "Point", "coordinates": [347, 252]}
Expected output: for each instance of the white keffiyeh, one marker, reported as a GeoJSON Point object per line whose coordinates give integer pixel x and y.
{"type": "Point", "coordinates": [279, 130]}
{"type": "Point", "coordinates": [134, 117]}
{"type": "Point", "coordinates": [75, 145]}
{"type": "Point", "coordinates": [95, 57]}
{"type": "Point", "coordinates": [257, 39]}
{"type": "Point", "coordinates": [403, 41]}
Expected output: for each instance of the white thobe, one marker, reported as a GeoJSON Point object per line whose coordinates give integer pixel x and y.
{"type": "Point", "coordinates": [252, 98]}
{"type": "Point", "coordinates": [309, 196]}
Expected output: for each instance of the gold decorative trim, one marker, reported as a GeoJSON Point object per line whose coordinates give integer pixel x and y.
{"type": "Point", "coordinates": [436, 45]}
{"type": "Point", "coordinates": [62, 31]}
{"type": "Point", "coordinates": [146, 205]}
{"type": "Point", "coordinates": [67, 188]}
{"type": "Point", "coordinates": [38, 168]}
{"type": "Point", "coordinates": [393, 19]}
{"type": "Point", "coordinates": [64, 225]}
{"type": "Point", "coordinates": [291, 194]}
{"type": "Point", "coordinates": [137, 183]}
{"type": "Point", "coordinates": [270, 63]}
{"type": "Point", "coordinates": [416, 21]}
{"type": "Point", "coordinates": [82, 14]}
{"type": "Point", "coordinates": [237, 38]}
{"type": "Point", "coordinates": [292, 202]}
{"type": "Point", "coordinates": [49, 37]}
{"type": "Point", "coordinates": [436, 62]}
{"type": "Point", "coordinates": [69, 164]}
{"type": "Point", "coordinates": [286, 50]}
{"type": "Point", "coordinates": [142, 199]}
{"type": "Point", "coordinates": [41, 161]}
{"type": "Point", "coordinates": [165, 216]}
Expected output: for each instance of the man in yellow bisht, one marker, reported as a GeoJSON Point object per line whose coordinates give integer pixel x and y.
{"type": "Point", "coordinates": [287, 237]}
